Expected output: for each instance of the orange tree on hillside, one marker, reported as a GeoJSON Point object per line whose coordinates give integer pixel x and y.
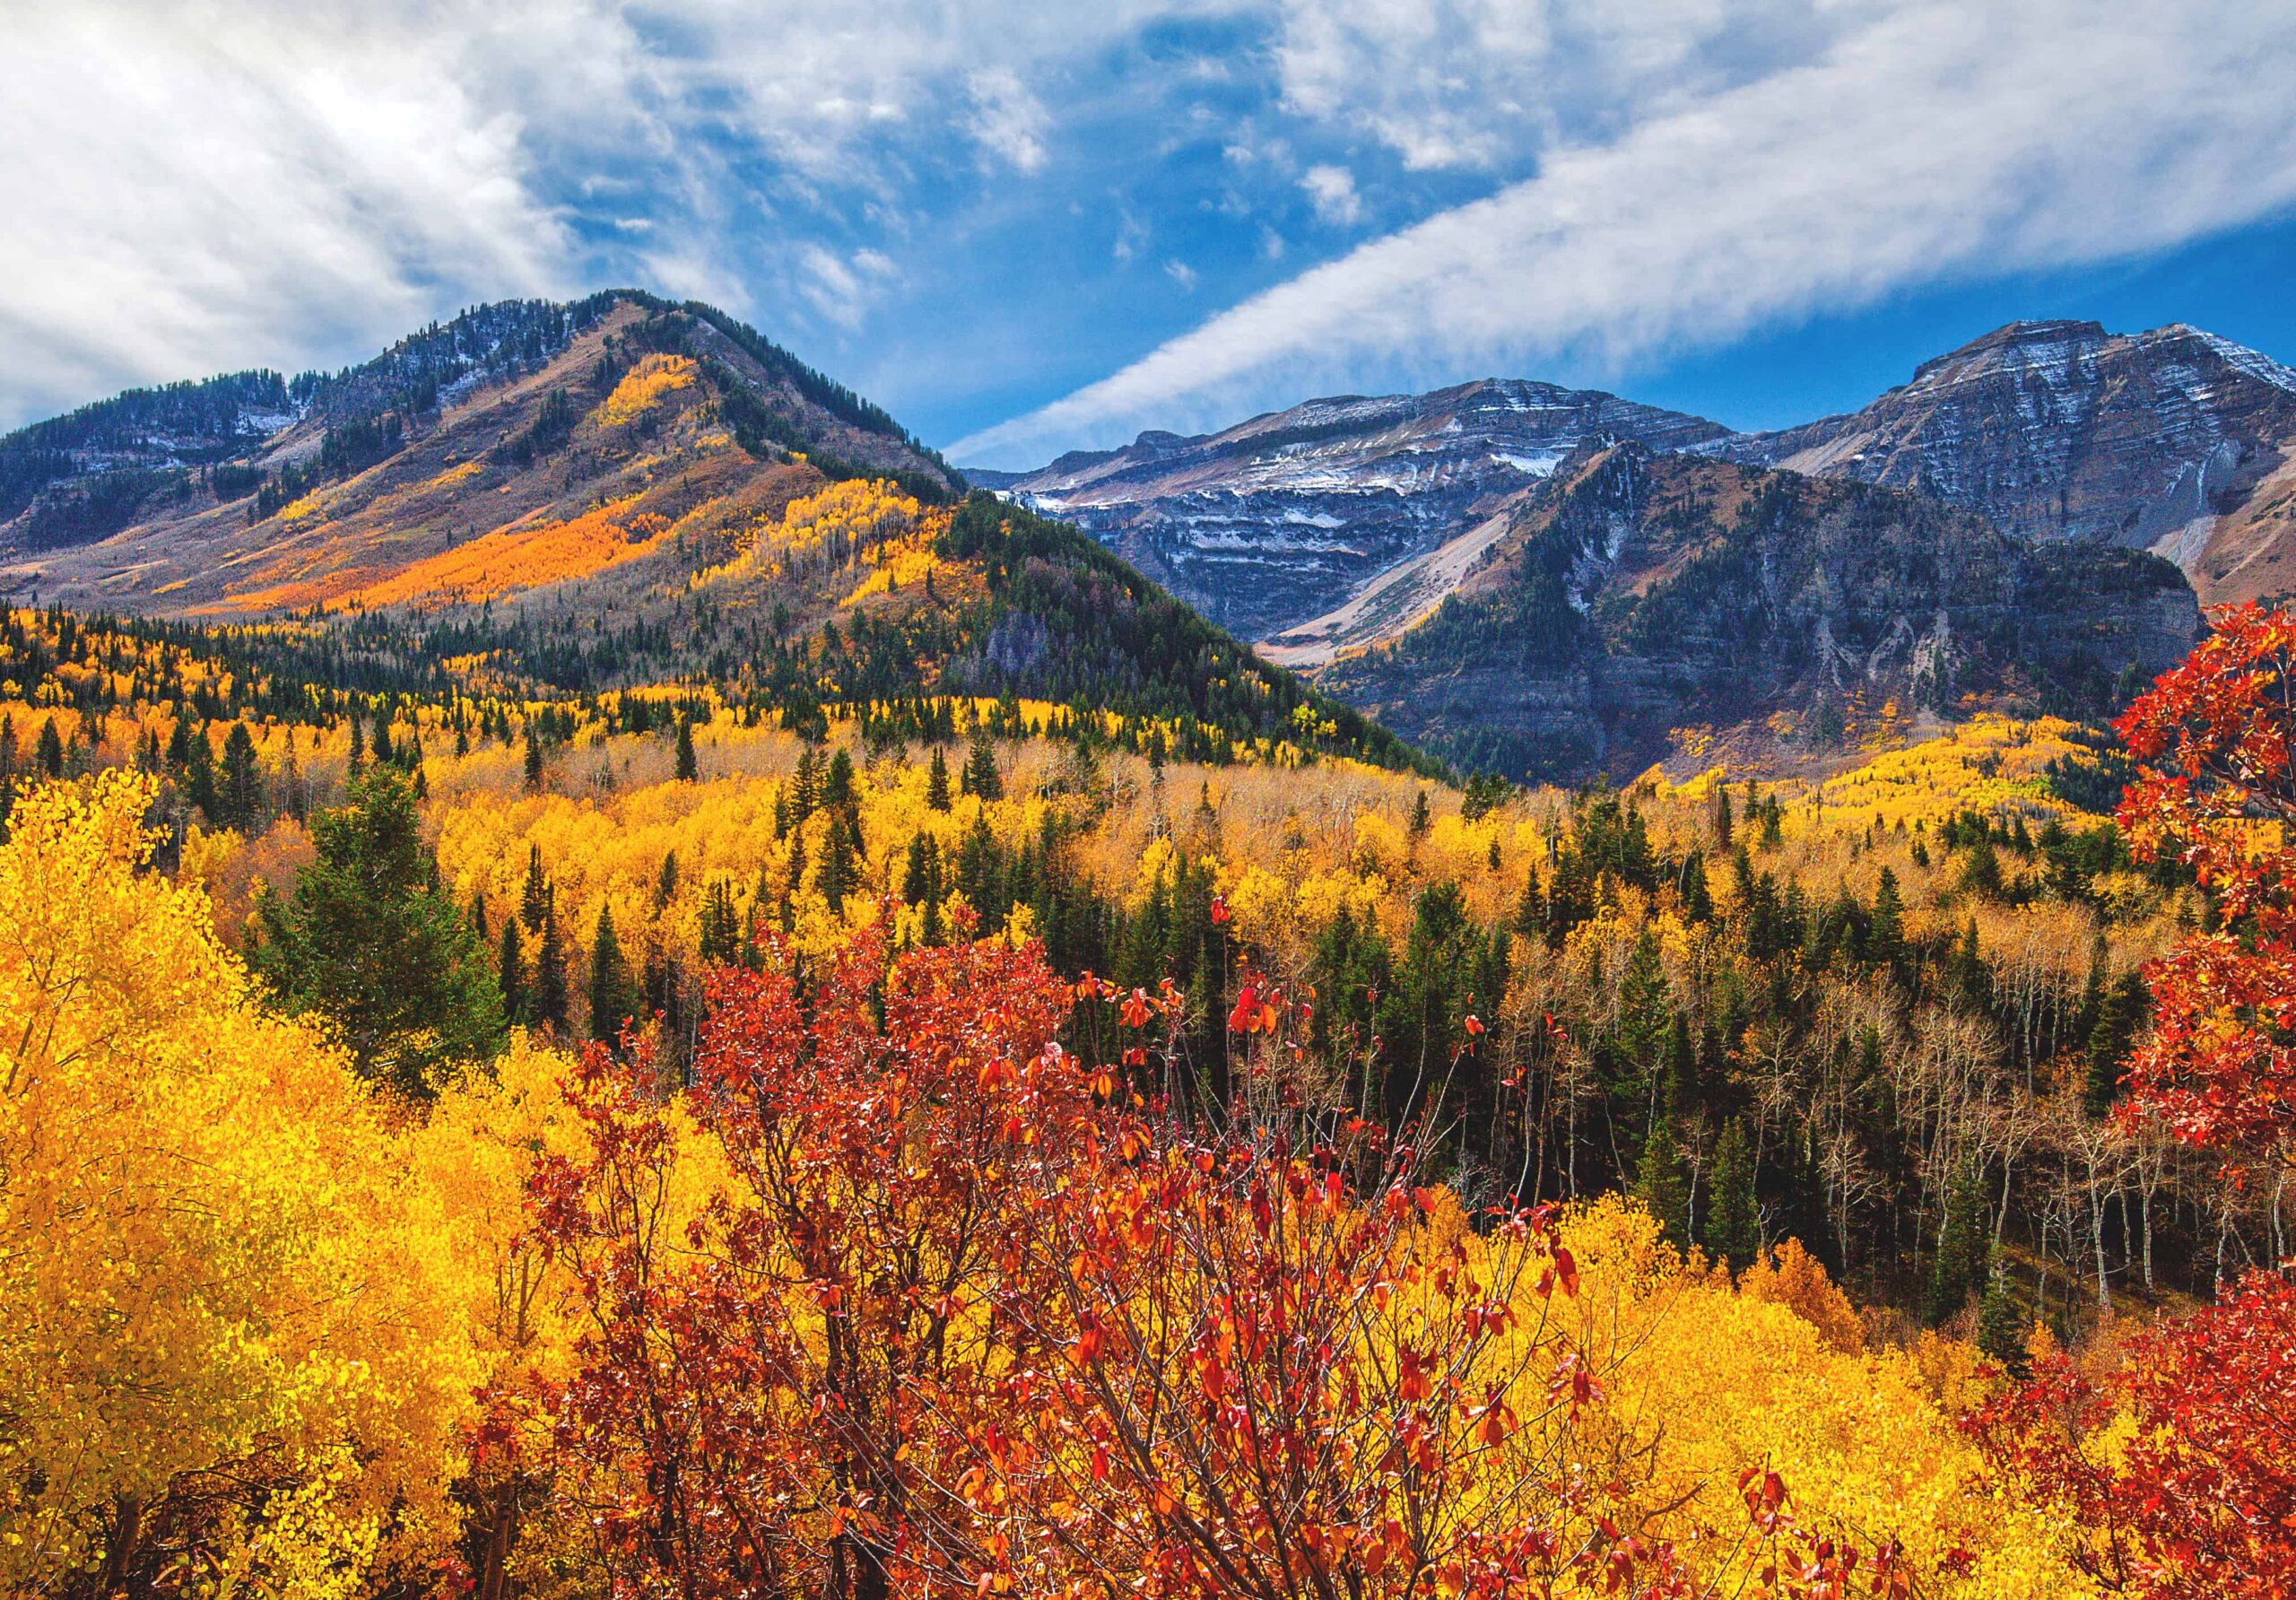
{"type": "Point", "coordinates": [2199, 1498]}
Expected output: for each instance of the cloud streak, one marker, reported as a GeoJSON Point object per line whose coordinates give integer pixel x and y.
{"type": "Point", "coordinates": [1927, 140]}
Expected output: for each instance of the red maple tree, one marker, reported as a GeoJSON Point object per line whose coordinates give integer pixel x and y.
{"type": "Point", "coordinates": [2200, 1498]}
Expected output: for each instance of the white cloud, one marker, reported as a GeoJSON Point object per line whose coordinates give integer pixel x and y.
{"type": "Point", "coordinates": [1008, 120]}
{"type": "Point", "coordinates": [192, 191]}
{"type": "Point", "coordinates": [1182, 273]}
{"type": "Point", "coordinates": [1331, 190]}
{"type": "Point", "coordinates": [193, 185]}
{"type": "Point", "coordinates": [843, 288]}
{"type": "Point", "coordinates": [1935, 138]}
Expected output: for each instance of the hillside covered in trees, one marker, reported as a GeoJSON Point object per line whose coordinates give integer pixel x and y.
{"type": "Point", "coordinates": [1155, 1146]}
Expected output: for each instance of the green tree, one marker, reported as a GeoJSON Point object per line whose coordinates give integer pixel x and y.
{"type": "Point", "coordinates": [937, 783]}
{"type": "Point", "coordinates": [533, 900]}
{"type": "Point", "coordinates": [510, 969]}
{"type": "Point", "coordinates": [1733, 1231]}
{"type": "Point", "coordinates": [368, 942]}
{"type": "Point", "coordinates": [980, 774]}
{"type": "Point", "coordinates": [51, 750]}
{"type": "Point", "coordinates": [688, 768]}
{"type": "Point", "coordinates": [241, 793]}
{"type": "Point", "coordinates": [1660, 1181]}
{"type": "Point", "coordinates": [610, 1001]}
{"type": "Point", "coordinates": [551, 998]}
{"type": "Point", "coordinates": [2000, 1325]}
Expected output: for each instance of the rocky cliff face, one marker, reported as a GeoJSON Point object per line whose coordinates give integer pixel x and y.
{"type": "Point", "coordinates": [1282, 519]}
{"type": "Point", "coordinates": [1640, 605]}
{"type": "Point", "coordinates": [2173, 440]}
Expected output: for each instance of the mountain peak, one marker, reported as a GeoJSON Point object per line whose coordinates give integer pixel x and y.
{"type": "Point", "coordinates": [2025, 339]}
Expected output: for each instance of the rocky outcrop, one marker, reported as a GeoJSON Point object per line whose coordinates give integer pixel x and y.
{"type": "Point", "coordinates": [2174, 440]}
{"type": "Point", "coordinates": [1639, 605]}
{"type": "Point", "coordinates": [1284, 518]}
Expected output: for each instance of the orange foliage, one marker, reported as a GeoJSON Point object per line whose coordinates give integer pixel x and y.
{"type": "Point", "coordinates": [511, 559]}
{"type": "Point", "coordinates": [1790, 1276]}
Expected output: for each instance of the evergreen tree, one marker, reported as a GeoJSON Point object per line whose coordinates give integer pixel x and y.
{"type": "Point", "coordinates": [1885, 939]}
{"type": "Point", "coordinates": [937, 783]}
{"type": "Point", "coordinates": [1660, 1181]}
{"type": "Point", "coordinates": [368, 942]}
{"type": "Point", "coordinates": [51, 750]}
{"type": "Point", "coordinates": [1733, 1230]}
{"type": "Point", "coordinates": [2120, 1018]}
{"type": "Point", "coordinates": [551, 998]}
{"type": "Point", "coordinates": [1421, 817]}
{"type": "Point", "coordinates": [1722, 820]}
{"type": "Point", "coordinates": [721, 929]}
{"type": "Point", "coordinates": [241, 797]}
{"type": "Point", "coordinates": [510, 974]}
{"type": "Point", "coordinates": [355, 764]}
{"type": "Point", "coordinates": [665, 882]}
{"type": "Point", "coordinates": [534, 898]}
{"type": "Point", "coordinates": [837, 876]}
{"type": "Point", "coordinates": [980, 774]}
{"type": "Point", "coordinates": [689, 769]}
{"type": "Point", "coordinates": [609, 1002]}
{"type": "Point", "coordinates": [199, 775]}
{"type": "Point", "coordinates": [2000, 1325]}
{"type": "Point", "coordinates": [534, 761]}
{"type": "Point", "coordinates": [1960, 1259]}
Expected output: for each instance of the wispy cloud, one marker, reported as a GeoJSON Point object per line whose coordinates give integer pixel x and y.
{"type": "Point", "coordinates": [1933, 138]}
{"type": "Point", "coordinates": [1331, 190]}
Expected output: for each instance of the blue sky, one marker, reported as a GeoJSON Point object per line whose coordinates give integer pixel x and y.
{"type": "Point", "coordinates": [1026, 226]}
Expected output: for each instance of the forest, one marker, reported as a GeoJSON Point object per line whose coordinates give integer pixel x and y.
{"type": "Point", "coordinates": [1091, 1130]}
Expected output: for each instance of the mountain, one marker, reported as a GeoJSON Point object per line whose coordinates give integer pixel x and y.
{"type": "Point", "coordinates": [2173, 440]}
{"type": "Point", "coordinates": [568, 499]}
{"type": "Point", "coordinates": [1273, 523]}
{"type": "Point", "coordinates": [1639, 606]}
{"type": "Point", "coordinates": [251, 493]}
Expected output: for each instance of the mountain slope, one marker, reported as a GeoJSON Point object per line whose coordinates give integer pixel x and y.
{"type": "Point", "coordinates": [509, 422]}
{"type": "Point", "coordinates": [2172, 440]}
{"type": "Point", "coordinates": [1273, 522]}
{"type": "Point", "coordinates": [626, 491]}
{"type": "Point", "coordinates": [1639, 605]}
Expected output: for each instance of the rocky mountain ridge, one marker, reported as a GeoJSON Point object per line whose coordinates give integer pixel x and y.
{"type": "Point", "coordinates": [1640, 607]}
{"type": "Point", "coordinates": [1279, 519]}
{"type": "Point", "coordinates": [2172, 440]}
{"type": "Point", "coordinates": [1340, 522]}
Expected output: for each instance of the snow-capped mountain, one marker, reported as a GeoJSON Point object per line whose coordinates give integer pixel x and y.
{"type": "Point", "coordinates": [1274, 522]}
{"type": "Point", "coordinates": [2173, 440]}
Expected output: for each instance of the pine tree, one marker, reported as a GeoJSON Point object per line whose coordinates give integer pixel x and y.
{"type": "Point", "coordinates": [1722, 820]}
{"type": "Point", "coordinates": [980, 774]}
{"type": "Point", "coordinates": [510, 974]}
{"type": "Point", "coordinates": [368, 942]}
{"type": "Point", "coordinates": [609, 981]}
{"type": "Point", "coordinates": [689, 769]}
{"type": "Point", "coordinates": [354, 763]}
{"type": "Point", "coordinates": [241, 797]}
{"type": "Point", "coordinates": [199, 775]}
{"type": "Point", "coordinates": [1733, 1230]}
{"type": "Point", "coordinates": [1885, 941]}
{"type": "Point", "coordinates": [1660, 1182]}
{"type": "Point", "coordinates": [51, 750]}
{"type": "Point", "coordinates": [937, 783]}
{"type": "Point", "coordinates": [665, 882]}
{"type": "Point", "coordinates": [721, 929]}
{"type": "Point", "coordinates": [2000, 1325]}
{"type": "Point", "coordinates": [1421, 817]}
{"type": "Point", "coordinates": [534, 898]}
{"type": "Point", "coordinates": [534, 761]}
{"type": "Point", "coordinates": [550, 1003]}
{"type": "Point", "coordinates": [1960, 1257]}
{"type": "Point", "coordinates": [837, 876]}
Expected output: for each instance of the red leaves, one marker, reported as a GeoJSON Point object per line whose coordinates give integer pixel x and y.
{"type": "Point", "coordinates": [2202, 1501]}
{"type": "Point", "coordinates": [2216, 734]}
